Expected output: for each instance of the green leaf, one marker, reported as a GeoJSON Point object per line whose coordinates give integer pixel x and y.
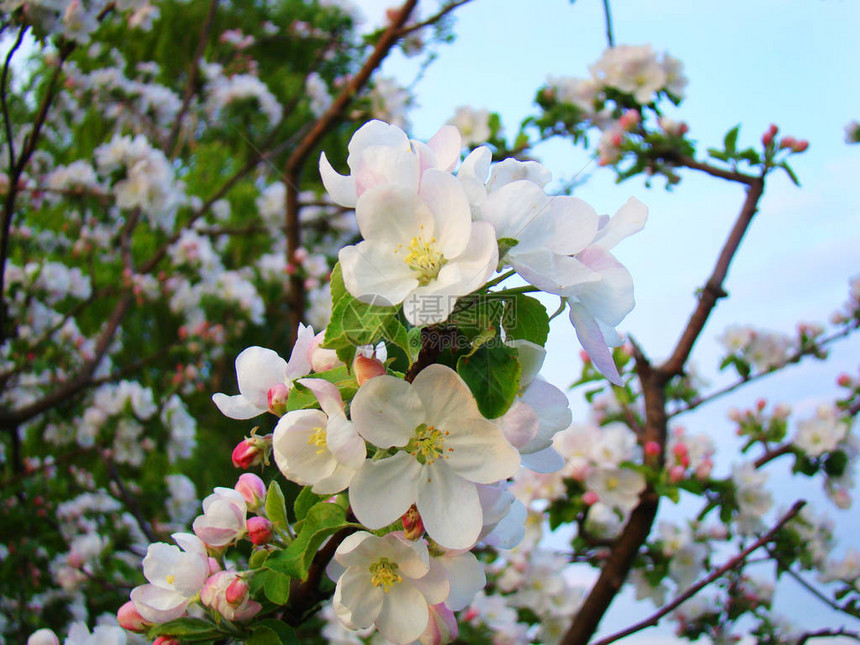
{"type": "Point", "coordinates": [304, 502]}
{"type": "Point", "coordinates": [276, 587]}
{"type": "Point", "coordinates": [322, 520]}
{"type": "Point", "coordinates": [186, 629]}
{"type": "Point", "coordinates": [526, 317]}
{"type": "Point", "coordinates": [338, 288]}
{"type": "Point", "coordinates": [276, 507]}
{"type": "Point", "coordinates": [505, 245]}
{"type": "Point", "coordinates": [730, 142]}
{"type": "Point", "coordinates": [717, 154]}
{"type": "Point", "coordinates": [286, 634]}
{"type": "Point", "coordinates": [493, 376]}
{"type": "Point", "coordinates": [790, 173]}
{"type": "Point", "coordinates": [258, 557]}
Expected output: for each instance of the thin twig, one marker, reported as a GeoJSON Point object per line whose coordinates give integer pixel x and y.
{"type": "Point", "coordinates": [739, 559]}
{"type": "Point", "coordinates": [7, 122]}
{"type": "Point", "coordinates": [405, 31]}
{"type": "Point", "coordinates": [610, 39]}
{"type": "Point", "coordinates": [823, 633]}
{"type": "Point", "coordinates": [173, 138]}
{"type": "Point", "coordinates": [129, 501]}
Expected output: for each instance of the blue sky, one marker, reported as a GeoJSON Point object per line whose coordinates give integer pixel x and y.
{"type": "Point", "coordinates": [759, 62]}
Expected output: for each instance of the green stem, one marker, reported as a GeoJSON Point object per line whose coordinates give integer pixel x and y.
{"type": "Point", "coordinates": [495, 281]}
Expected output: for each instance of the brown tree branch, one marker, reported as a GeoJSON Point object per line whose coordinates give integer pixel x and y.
{"type": "Point", "coordinates": [172, 143]}
{"type": "Point", "coordinates": [736, 561]}
{"type": "Point", "coordinates": [824, 633]}
{"type": "Point", "coordinates": [296, 160]}
{"type": "Point", "coordinates": [713, 289]}
{"type": "Point", "coordinates": [405, 31]}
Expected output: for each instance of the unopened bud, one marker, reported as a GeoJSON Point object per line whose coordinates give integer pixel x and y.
{"type": "Point", "coordinates": [413, 525]}
{"type": "Point", "coordinates": [43, 636]}
{"type": "Point", "coordinates": [843, 380]}
{"type": "Point", "coordinates": [237, 590]}
{"type": "Point", "coordinates": [441, 627]}
{"type": "Point", "coordinates": [129, 618]}
{"type": "Point", "coordinates": [590, 497]}
{"type": "Point", "coordinates": [300, 255]}
{"type": "Point", "coordinates": [761, 404]}
{"type": "Point", "coordinates": [251, 488]}
{"type": "Point", "coordinates": [165, 640]}
{"type": "Point", "coordinates": [366, 368]}
{"type": "Point", "coordinates": [321, 359]}
{"type": "Point", "coordinates": [629, 120]}
{"type": "Point", "coordinates": [652, 448]}
{"type": "Point", "coordinates": [801, 146]}
{"type": "Point", "coordinates": [277, 397]}
{"type": "Point", "coordinates": [251, 451]}
{"type": "Point", "coordinates": [214, 566]}
{"type": "Point", "coordinates": [680, 451]}
{"type": "Point", "coordinates": [259, 530]}
{"type": "Point", "coordinates": [676, 474]}
{"type": "Point", "coordinates": [768, 136]}
{"type": "Point", "coordinates": [788, 142]}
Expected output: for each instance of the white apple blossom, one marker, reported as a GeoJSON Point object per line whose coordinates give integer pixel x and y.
{"type": "Point", "coordinates": [223, 519]}
{"type": "Point", "coordinates": [420, 249]}
{"type": "Point", "coordinates": [616, 487]}
{"type": "Point", "coordinates": [472, 124]}
{"type": "Point", "coordinates": [387, 583]}
{"type": "Point", "coordinates": [258, 370]}
{"type": "Point", "coordinates": [318, 448]}
{"type": "Point", "coordinates": [632, 69]}
{"type": "Point", "coordinates": [822, 433]}
{"type": "Point", "coordinates": [175, 577]}
{"type": "Point", "coordinates": [447, 447]}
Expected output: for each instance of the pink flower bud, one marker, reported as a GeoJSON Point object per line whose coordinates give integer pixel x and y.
{"type": "Point", "coordinates": [584, 357]}
{"type": "Point", "coordinates": [676, 474]}
{"type": "Point", "coordinates": [214, 566]}
{"type": "Point", "coordinates": [735, 415]}
{"type": "Point", "coordinates": [630, 119]}
{"type": "Point", "coordinates": [277, 399]}
{"type": "Point", "coordinates": [413, 525]}
{"type": "Point", "coordinates": [441, 626]}
{"type": "Point", "coordinates": [590, 497]}
{"type": "Point", "coordinates": [246, 454]}
{"type": "Point", "coordinates": [129, 618]}
{"type": "Point", "coordinates": [652, 448]}
{"type": "Point", "coordinates": [322, 360]}
{"type": "Point", "coordinates": [165, 640]}
{"type": "Point", "coordinates": [680, 451]}
{"type": "Point", "coordinates": [761, 404]}
{"type": "Point", "coordinates": [788, 142]}
{"type": "Point", "coordinates": [366, 368]}
{"type": "Point", "coordinates": [259, 530]}
{"type": "Point", "coordinates": [801, 146]}
{"type": "Point", "coordinates": [43, 636]}
{"type": "Point", "coordinates": [237, 591]}
{"type": "Point", "coordinates": [703, 470]}
{"type": "Point", "coordinates": [301, 254]}
{"type": "Point", "coordinates": [252, 488]}
{"type": "Point", "coordinates": [843, 380]}
{"type": "Point", "coordinates": [767, 137]}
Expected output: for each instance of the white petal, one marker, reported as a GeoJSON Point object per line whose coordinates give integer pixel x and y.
{"type": "Point", "coordinates": [530, 356]}
{"type": "Point", "coordinates": [377, 133]}
{"type": "Point", "coordinates": [519, 424]}
{"type": "Point", "coordinates": [340, 188]}
{"type": "Point", "coordinates": [611, 298]}
{"type": "Point", "coordinates": [300, 364]}
{"type": "Point", "coordinates": [345, 444]}
{"type": "Point", "coordinates": [359, 596]}
{"type": "Point", "coordinates": [386, 410]}
{"type": "Point", "coordinates": [480, 453]}
{"type": "Point", "coordinates": [544, 461]}
{"type": "Point", "coordinates": [449, 507]}
{"type": "Point", "coordinates": [392, 216]}
{"type": "Point", "coordinates": [382, 491]}
{"type": "Point", "coordinates": [375, 275]}
{"type": "Point", "coordinates": [550, 271]}
{"type": "Point", "coordinates": [446, 199]}
{"type": "Point", "coordinates": [565, 226]}
{"type": "Point", "coordinates": [257, 370]}
{"type": "Point", "coordinates": [446, 143]}
{"type": "Point", "coordinates": [236, 406]}
{"type": "Point", "coordinates": [434, 586]}
{"type": "Point", "coordinates": [443, 395]}
{"type": "Point", "coordinates": [404, 615]}
{"type": "Point", "coordinates": [588, 333]}
{"type": "Point", "coordinates": [158, 605]}
{"type": "Point", "coordinates": [511, 208]}
{"type": "Point", "coordinates": [327, 394]}
{"type": "Point", "coordinates": [383, 166]}
{"type": "Point", "coordinates": [336, 482]}
{"type": "Point", "coordinates": [466, 576]}
{"type": "Point", "coordinates": [629, 219]}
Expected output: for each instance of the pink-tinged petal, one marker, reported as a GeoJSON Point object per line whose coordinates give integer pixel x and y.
{"type": "Point", "coordinates": [376, 275]}
{"type": "Point", "coordinates": [257, 370]}
{"type": "Point", "coordinates": [386, 410]}
{"type": "Point", "coordinates": [544, 461]}
{"type": "Point", "coordinates": [479, 452]}
{"type": "Point", "coordinates": [510, 530]}
{"type": "Point", "coordinates": [300, 364]}
{"type": "Point", "coordinates": [404, 615]}
{"type": "Point", "coordinates": [443, 395]}
{"type": "Point", "coordinates": [519, 424]}
{"type": "Point", "coordinates": [391, 216]}
{"type": "Point", "coordinates": [382, 491]}
{"type": "Point", "coordinates": [341, 189]}
{"type": "Point", "coordinates": [447, 201]}
{"type": "Point", "coordinates": [327, 394]}
{"type": "Point", "coordinates": [377, 133]}
{"type": "Point", "coordinates": [190, 543]}
{"type": "Point", "coordinates": [588, 333]}
{"type": "Point", "coordinates": [446, 144]}
{"type": "Point", "coordinates": [157, 605]}
{"type": "Point", "coordinates": [610, 299]}
{"type": "Point", "coordinates": [553, 413]}
{"type": "Point", "coordinates": [550, 271]}
{"type": "Point", "coordinates": [236, 406]}
{"type": "Point", "coordinates": [629, 219]}
{"type": "Point", "coordinates": [449, 507]}
{"type": "Point", "coordinates": [434, 585]}
{"type": "Point", "coordinates": [466, 577]}
{"type": "Point", "coordinates": [362, 600]}
{"type": "Point", "coordinates": [382, 166]}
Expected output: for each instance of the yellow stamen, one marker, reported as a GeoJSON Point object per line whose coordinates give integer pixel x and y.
{"type": "Point", "coordinates": [428, 444]}
{"type": "Point", "coordinates": [385, 574]}
{"type": "Point", "coordinates": [425, 259]}
{"type": "Point", "coordinates": [318, 439]}
{"type": "Point", "coordinates": [170, 579]}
